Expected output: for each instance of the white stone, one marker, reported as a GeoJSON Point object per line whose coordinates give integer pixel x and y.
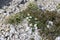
{"type": "Point", "coordinates": [16, 36]}
{"type": "Point", "coordinates": [29, 31]}
{"type": "Point", "coordinates": [7, 33]}
{"type": "Point", "coordinates": [5, 14]}
{"type": "Point", "coordinates": [1, 38]}
{"type": "Point", "coordinates": [50, 22]}
{"type": "Point", "coordinates": [12, 29]}
{"type": "Point", "coordinates": [21, 30]}
{"type": "Point", "coordinates": [57, 38]}
{"type": "Point", "coordinates": [2, 35]}
{"type": "Point", "coordinates": [1, 11]}
{"type": "Point", "coordinates": [27, 28]}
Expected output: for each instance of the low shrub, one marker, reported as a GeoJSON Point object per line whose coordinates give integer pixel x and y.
{"type": "Point", "coordinates": [40, 18]}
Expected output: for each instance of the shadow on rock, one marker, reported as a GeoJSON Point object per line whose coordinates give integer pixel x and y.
{"type": "Point", "coordinates": [4, 3]}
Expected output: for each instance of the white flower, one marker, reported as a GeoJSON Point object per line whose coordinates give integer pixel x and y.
{"type": "Point", "coordinates": [27, 17]}
{"type": "Point", "coordinates": [30, 16]}
{"type": "Point", "coordinates": [48, 26]}
{"type": "Point", "coordinates": [35, 25]}
{"type": "Point", "coordinates": [31, 24]}
{"type": "Point", "coordinates": [35, 18]}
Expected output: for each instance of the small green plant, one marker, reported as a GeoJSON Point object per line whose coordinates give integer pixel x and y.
{"type": "Point", "coordinates": [40, 18]}
{"type": "Point", "coordinates": [14, 18]}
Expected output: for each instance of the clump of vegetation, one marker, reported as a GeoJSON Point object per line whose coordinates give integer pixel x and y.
{"type": "Point", "coordinates": [40, 18]}
{"type": "Point", "coordinates": [32, 38]}
{"type": "Point", "coordinates": [14, 18]}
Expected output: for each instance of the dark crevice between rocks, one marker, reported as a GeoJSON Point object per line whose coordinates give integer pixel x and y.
{"type": "Point", "coordinates": [23, 1]}
{"type": "Point", "coordinates": [35, 0]}
{"type": "Point", "coordinates": [4, 3]}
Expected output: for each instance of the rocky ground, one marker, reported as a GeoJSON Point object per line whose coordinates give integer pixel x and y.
{"type": "Point", "coordinates": [22, 31]}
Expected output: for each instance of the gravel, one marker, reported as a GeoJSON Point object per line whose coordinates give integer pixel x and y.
{"type": "Point", "coordinates": [57, 38]}
{"type": "Point", "coordinates": [18, 32]}
{"type": "Point", "coordinates": [21, 31]}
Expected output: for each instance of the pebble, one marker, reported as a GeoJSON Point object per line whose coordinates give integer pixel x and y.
{"type": "Point", "coordinates": [1, 38]}
{"type": "Point", "coordinates": [50, 24]}
{"type": "Point", "coordinates": [12, 29]}
{"type": "Point", "coordinates": [16, 36]}
{"type": "Point", "coordinates": [57, 38]}
{"type": "Point", "coordinates": [1, 11]}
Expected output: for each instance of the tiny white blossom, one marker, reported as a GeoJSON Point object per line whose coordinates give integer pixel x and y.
{"type": "Point", "coordinates": [48, 26]}
{"type": "Point", "coordinates": [35, 18]}
{"type": "Point", "coordinates": [27, 17]}
{"type": "Point", "coordinates": [30, 16]}
{"type": "Point", "coordinates": [35, 25]}
{"type": "Point", "coordinates": [31, 24]}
